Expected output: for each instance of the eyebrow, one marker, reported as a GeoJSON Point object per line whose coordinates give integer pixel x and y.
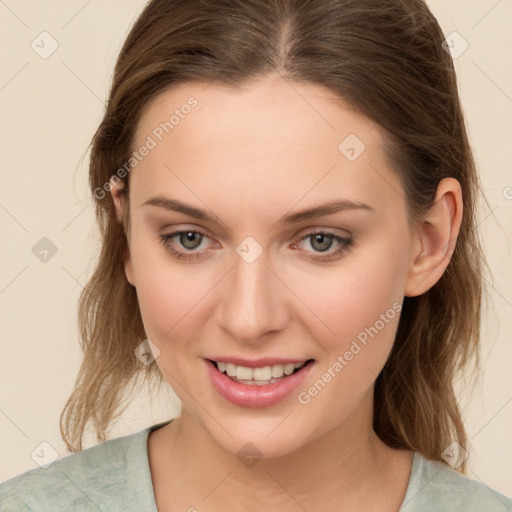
{"type": "Point", "coordinates": [329, 208]}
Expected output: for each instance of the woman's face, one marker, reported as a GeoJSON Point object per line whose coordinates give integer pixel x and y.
{"type": "Point", "coordinates": [244, 277]}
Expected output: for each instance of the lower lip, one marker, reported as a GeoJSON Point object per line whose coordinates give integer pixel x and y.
{"type": "Point", "coordinates": [246, 395]}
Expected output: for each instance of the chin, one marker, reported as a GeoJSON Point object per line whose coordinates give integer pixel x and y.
{"type": "Point", "coordinates": [250, 438]}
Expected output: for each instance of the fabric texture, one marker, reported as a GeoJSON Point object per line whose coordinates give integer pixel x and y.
{"type": "Point", "coordinates": [114, 476]}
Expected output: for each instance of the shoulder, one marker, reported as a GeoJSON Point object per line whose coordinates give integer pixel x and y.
{"type": "Point", "coordinates": [93, 479]}
{"type": "Point", "coordinates": [435, 486]}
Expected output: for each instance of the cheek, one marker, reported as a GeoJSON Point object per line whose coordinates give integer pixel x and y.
{"type": "Point", "coordinates": [362, 307]}
{"type": "Point", "coordinates": [359, 308]}
{"type": "Point", "coordinates": [167, 300]}
{"type": "Point", "coordinates": [172, 297]}
{"type": "Point", "coordinates": [361, 304]}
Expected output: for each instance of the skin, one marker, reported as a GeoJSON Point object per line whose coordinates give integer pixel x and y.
{"type": "Point", "coordinates": [248, 157]}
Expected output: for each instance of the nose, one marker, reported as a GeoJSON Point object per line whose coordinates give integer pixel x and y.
{"type": "Point", "coordinates": [253, 301]}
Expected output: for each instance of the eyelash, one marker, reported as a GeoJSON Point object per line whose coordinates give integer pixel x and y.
{"type": "Point", "coordinates": [346, 244]}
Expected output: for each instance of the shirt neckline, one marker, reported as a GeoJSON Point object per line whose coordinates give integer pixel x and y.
{"type": "Point", "coordinates": [138, 475]}
{"type": "Point", "coordinates": [141, 494]}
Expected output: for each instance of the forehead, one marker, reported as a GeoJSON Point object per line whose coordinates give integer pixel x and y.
{"type": "Point", "coordinates": [303, 111]}
{"type": "Point", "coordinates": [271, 139]}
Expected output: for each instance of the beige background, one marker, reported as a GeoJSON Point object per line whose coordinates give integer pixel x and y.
{"type": "Point", "coordinates": [50, 110]}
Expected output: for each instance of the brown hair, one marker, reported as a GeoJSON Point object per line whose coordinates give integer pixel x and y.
{"type": "Point", "coordinates": [385, 58]}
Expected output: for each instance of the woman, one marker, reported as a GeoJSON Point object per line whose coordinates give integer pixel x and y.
{"type": "Point", "coordinates": [286, 196]}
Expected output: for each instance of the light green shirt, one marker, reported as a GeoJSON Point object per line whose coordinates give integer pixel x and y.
{"type": "Point", "coordinates": [115, 476]}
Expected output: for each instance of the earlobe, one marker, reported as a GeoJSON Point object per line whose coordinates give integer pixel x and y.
{"type": "Point", "coordinates": [435, 239]}
{"type": "Point", "coordinates": [118, 199]}
{"type": "Point", "coordinates": [128, 269]}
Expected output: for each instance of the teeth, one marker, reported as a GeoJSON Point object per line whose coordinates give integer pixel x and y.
{"type": "Point", "coordinates": [230, 369]}
{"type": "Point", "coordinates": [264, 373]}
{"type": "Point", "coordinates": [277, 371]}
{"type": "Point", "coordinates": [289, 368]}
{"type": "Point", "coordinates": [244, 373]}
{"type": "Point", "coordinates": [258, 375]}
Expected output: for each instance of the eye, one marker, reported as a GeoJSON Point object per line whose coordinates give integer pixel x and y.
{"type": "Point", "coordinates": [186, 244]}
{"type": "Point", "coordinates": [322, 241]}
{"type": "Point", "coordinates": [190, 240]}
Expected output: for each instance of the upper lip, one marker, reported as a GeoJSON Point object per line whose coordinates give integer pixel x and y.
{"type": "Point", "coordinates": [257, 363]}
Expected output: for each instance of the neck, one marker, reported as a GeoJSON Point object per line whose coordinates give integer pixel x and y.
{"type": "Point", "coordinates": [348, 463]}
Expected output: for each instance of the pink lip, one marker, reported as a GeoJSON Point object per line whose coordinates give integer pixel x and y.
{"type": "Point", "coordinates": [245, 395]}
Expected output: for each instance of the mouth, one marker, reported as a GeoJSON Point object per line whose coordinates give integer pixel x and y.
{"type": "Point", "coordinates": [259, 376]}
{"type": "Point", "coordinates": [261, 384]}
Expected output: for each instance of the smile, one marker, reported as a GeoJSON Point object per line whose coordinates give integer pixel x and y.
{"type": "Point", "coordinates": [257, 386]}
{"type": "Point", "coordinates": [257, 376]}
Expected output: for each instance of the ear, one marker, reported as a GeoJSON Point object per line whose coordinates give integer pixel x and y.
{"type": "Point", "coordinates": [119, 199]}
{"type": "Point", "coordinates": [435, 238]}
